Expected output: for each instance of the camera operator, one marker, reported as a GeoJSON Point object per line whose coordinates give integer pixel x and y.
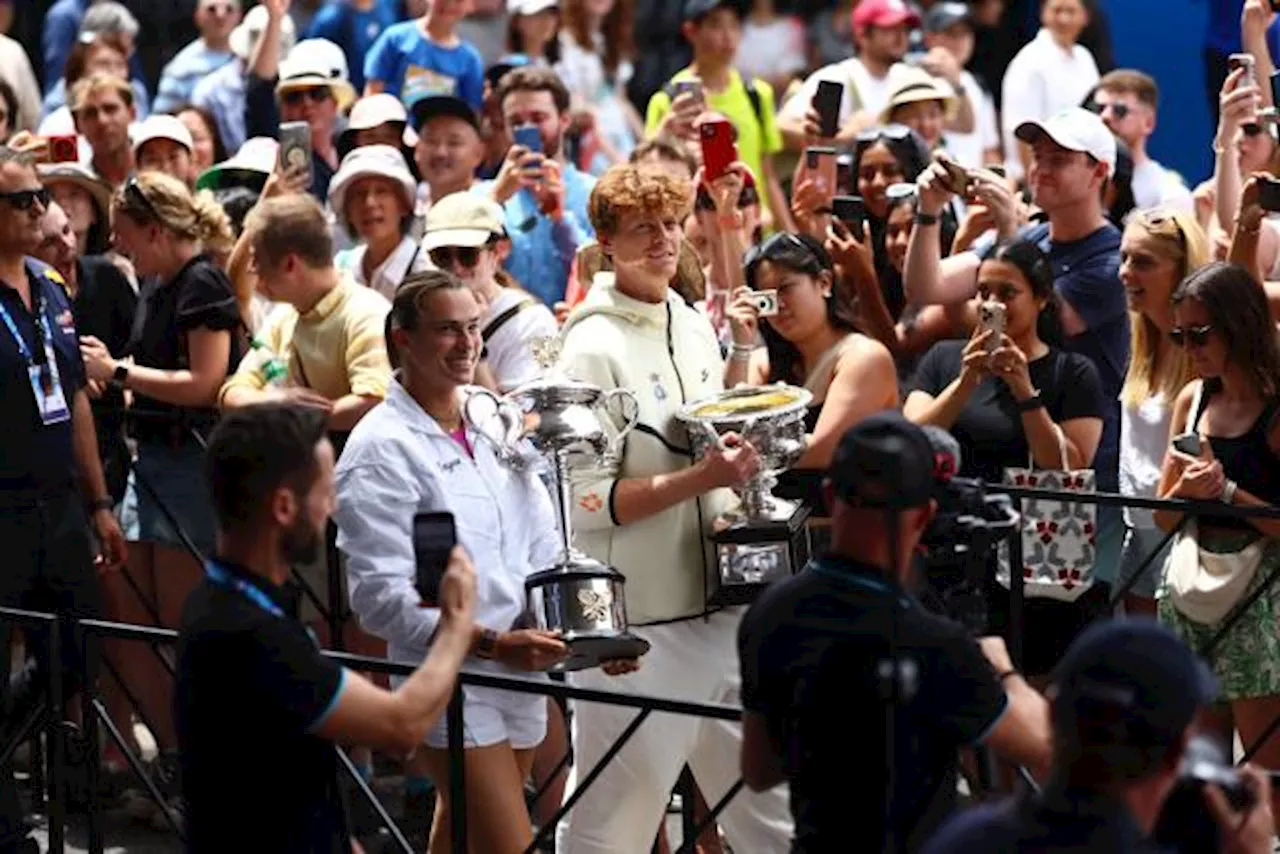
{"type": "Point", "coordinates": [1125, 698]}
{"type": "Point", "coordinates": [814, 647]}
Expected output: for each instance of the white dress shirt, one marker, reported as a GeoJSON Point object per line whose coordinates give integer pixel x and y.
{"type": "Point", "coordinates": [1043, 79]}
{"type": "Point", "coordinates": [407, 258]}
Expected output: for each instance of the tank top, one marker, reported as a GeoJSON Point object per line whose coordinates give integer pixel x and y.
{"type": "Point", "coordinates": [1246, 459]}
{"type": "Point", "coordinates": [1144, 438]}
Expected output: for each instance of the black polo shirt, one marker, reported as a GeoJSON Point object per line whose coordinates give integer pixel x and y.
{"type": "Point", "coordinates": [1057, 822]}
{"type": "Point", "coordinates": [252, 687]}
{"type": "Point", "coordinates": [810, 649]}
{"type": "Point", "coordinates": [36, 456]}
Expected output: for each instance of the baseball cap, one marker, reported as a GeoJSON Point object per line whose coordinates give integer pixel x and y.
{"type": "Point", "coordinates": [696, 10]}
{"type": "Point", "coordinates": [883, 13]}
{"type": "Point", "coordinates": [943, 16]}
{"type": "Point", "coordinates": [159, 126]}
{"type": "Point", "coordinates": [1148, 679]}
{"type": "Point", "coordinates": [884, 461]}
{"type": "Point", "coordinates": [429, 107]}
{"type": "Point", "coordinates": [530, 7]}
{"type": "Point", "coordinates": [374, 111]}
{"type": "Point", "coordinates": [1075, 129]}
{"type": "Point", "coordinates": [380, 161]}
{"type": "Point", "coordinates": [462, 219]}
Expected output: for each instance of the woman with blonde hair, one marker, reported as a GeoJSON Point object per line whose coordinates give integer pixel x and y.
{"type": "Point", "coordinates": [186, 339]}
{"type": "Point", "coordinates": [1160, 248]}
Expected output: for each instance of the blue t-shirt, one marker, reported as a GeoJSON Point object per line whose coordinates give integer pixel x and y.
{"type": "Point", "coordinates": [412, 67]}
{"type": "Point", "coordinates": [354, 30]}
{"type": "Point", "coordinates": [1086, 274]}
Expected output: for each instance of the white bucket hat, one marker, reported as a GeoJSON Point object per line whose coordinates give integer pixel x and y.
{"type": "Point", "coordinates": [380, 161]}
{"type": "Point", "coordinates": [317, 62]}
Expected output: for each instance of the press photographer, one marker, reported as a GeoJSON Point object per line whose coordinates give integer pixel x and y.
{"type": "Point", "coordinates": [1125, 699]}
{"type": "Point", "coordinates": [840, 659]}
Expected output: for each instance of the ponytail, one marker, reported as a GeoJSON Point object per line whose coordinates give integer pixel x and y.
{"type": "Point", "coordinates": [211, 225]}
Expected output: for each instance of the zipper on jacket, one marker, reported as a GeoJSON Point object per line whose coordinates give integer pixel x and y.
{"type": "Point", "coordinates": [671, 351]}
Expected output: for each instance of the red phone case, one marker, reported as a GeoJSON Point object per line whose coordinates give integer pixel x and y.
{"type": "Point", "coordinates": [719, 149]}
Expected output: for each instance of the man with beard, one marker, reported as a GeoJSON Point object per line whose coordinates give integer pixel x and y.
{"type": "Point", "coordinates": [252, 685]}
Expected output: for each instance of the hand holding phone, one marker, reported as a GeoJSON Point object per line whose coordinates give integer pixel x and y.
{"type": "Point", "coordinates": [991, 319]}
{"type": "Point", "coordinates": [719, 146]}
{"type": "Point", "coordinates": [850, 210]}
{"type": "Point", "coordinates": [295, 149]}
{"type": "Point", "coordinates": [826, 103]}
{"type": "Point", "coordinates": [434, 536]}
{"type": "Point", "coordinates": [1188, 443]}
{"type": "Point", "coordinates": [820, 164]}
{"type": "Point", "coordinates": [1268, 193]}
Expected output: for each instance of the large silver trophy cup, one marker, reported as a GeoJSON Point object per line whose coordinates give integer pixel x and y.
{"type": "Point", "coordinates": [765, 538]}
{"type": "Point", "coordinates": [568, 423]}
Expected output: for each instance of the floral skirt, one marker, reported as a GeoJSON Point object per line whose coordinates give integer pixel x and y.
{"type": "Point", "coordinates": [1247, 659]}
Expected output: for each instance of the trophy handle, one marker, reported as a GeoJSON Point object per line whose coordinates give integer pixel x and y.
{"type": "Point", "coordinates": [507, 413]}
{"type": "Point", "coordinates": [629, 420]}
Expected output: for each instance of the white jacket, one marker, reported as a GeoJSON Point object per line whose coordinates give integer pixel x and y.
{"type": "Point", "coordinates": [397, 463]}
{"type": "Point", "coordinates": [666, 354]}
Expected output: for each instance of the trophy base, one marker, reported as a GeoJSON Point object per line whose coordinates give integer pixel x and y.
{"type": "Point", "coordinates": [752, 553]}
{"type": "Point", "coordinates": [587, 650]}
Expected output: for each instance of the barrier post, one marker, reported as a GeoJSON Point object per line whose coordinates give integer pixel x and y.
{"type": "Point", "coordinates": [57, 776]}
{"type": "Point", "coordinates": [457, 770]}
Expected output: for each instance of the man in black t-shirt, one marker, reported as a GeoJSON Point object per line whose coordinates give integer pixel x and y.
{"type": "Point", "coordinates": [258, 707]}
{"type": "Point", "coordinates": [814, 647]}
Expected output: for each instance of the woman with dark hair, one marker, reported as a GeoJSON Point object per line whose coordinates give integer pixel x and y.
{"type": "Point", "coordinates": [1221, 318]}
{"type": "Point", "coordinates": [86, 198]}
{"type": "Point", "coordinates": [811, 342]}
{"type": "Point", "coordinates": [1016, 399]}
{"type": "Point", "coordinates": [596, 51]}
{"type": "Point", "coordinates": [208, 148]}
{"type": "Point", "coordinates": [533, 29]}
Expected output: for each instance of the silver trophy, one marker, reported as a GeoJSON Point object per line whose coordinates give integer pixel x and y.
{"type": "Point", "coordinates": [567, 422]}
{"type": "Point", "coordinates": [764, 538]}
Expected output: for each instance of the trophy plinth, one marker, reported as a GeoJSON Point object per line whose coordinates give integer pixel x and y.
{"type": "Point", "coordinates": [765, 538]}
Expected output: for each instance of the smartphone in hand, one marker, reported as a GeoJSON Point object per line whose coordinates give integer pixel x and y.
{"type": "Point", "coordinates": [1269, 193]}
{"type": "Point", "coordinates": [719, 146]}
{"type": "Point", "coordinates": [434, 536]}
{"type": "Point", "coordinates": [991, 318]}
{"type": "Point", "coordinates": [295, 148]}
{"type": "Point", "coordinates": [850, 210]}
{"type": "Point", "coordinates": [826, 103]}
{"type": "Point", "coordinates": [820, 162]}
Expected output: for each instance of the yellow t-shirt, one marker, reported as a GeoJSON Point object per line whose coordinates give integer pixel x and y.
{"type": "Point", "coordinates": [757, 137]}
{"type": "Point", "coordinates": [337, 348]}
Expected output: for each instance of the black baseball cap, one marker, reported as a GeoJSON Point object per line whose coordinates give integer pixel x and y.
{"type": "Point", "coordinates": [943, 16]}
{"type": "Point", "coordinates": [696, 10]}
{"type": "Point", "coordinates": [425, 109]}
{"type": "Point", "coordinates": [884, 461]}
{"type": "Point", "coordinates": [1135, 674]}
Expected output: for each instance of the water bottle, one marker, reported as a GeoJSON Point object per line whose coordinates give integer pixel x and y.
{"type": "Point", "coordinates": [275, 370]}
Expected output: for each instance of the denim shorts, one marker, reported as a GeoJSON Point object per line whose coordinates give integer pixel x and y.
{"type": "Point", "coordinates": [1138, 544]}
{"type": "Point", "coordinates": [167, 488]}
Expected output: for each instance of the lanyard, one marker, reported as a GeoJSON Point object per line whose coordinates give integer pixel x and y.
{"type": "Point", "coordinates": [43, 322]}
{"type": "Point", "coordinates": [218, 575]}
{"type": "Point", "coordinates": [854, 579]}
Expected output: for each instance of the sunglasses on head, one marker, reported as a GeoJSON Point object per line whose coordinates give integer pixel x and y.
{"type": "Point", "coordinates": [22, 200]}
{"type": "Point", "coordinates": [1162, 218]}
{"type": "Point", "coordinates": [316, 94]}
{"type": "Point", "coordinates": [445, 256]}
{"type": "Point", "coordinates": [894, 132]}
{"type": "Point", "coordinates": [1191, 336]}
{"type": "Point", "coordinates": [766, 250]}
{"type": "Point", "coordinates": [137, 199]}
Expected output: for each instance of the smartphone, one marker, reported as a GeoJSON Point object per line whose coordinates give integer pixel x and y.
{"type": "Point", "coordinates": [1243, 60]}
{"type": "Point", "coordinates": [845, 182]}
{"type": "Point", "coordinates": [821, 162]}
{"type": "Point", "coordinates": [991, 317]}
{"type": "Point", "coordinates": [1275, 85]}
{"type": "Point", "coordinates": [826, 103]}
{"type": "Point", "coordinates": [719, 146]}
{"type": "Point", "coordinates": [1269, 194]}
{"type": "Point", "coordinates": [997, 169]}
{"type": "Point", "coordinates": [958, 178]}
{"type": "Point", "coordinates": [434, 537]}
{"type": "Point", "coordinates": [692, 87]}
{"type": "Point", "coordinates": [850, 210]}
{"type": "Point", "coordinates": [1187, 443]}
{"type": "Point", "coordinates": [64, 149]}
{"type": "Point", "coordinates": [528, 136]}
{"type": "Point", "coordinates": [295, 148]}
{"type": "Point", "coordinates": [766, 302]}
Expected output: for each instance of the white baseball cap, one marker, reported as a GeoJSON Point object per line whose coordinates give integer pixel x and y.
{"type": "Point", "coordinates": [160, 126]}
{"type": "Point", "coordinates": [1075, 129]}
{"type": "Point", "coordinates": [248, 31]}
{"type": "Point", "coordinates": [374, 111]}
{"type": "Point", "coordinates": [530, 7]}
{"type": "Point", "coordinates": [380, 161]}
{"type": "Point", "coordinates": [463, 219]}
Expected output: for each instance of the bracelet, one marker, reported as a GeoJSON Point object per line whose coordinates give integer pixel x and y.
{"type": "Point", "coordinates": [740, 353]}
{"type": "Point", "coordinates": [1032, 403]}
{"type": "Point", "coordinates": [1229, 492]}
{"type": "Point", "coordinates": [926, 218]}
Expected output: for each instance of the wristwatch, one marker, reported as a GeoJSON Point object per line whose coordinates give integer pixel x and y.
{"type": "Point", "coordinates": [487, 646]}
{"type": "Point", "coordinates": [120, 376]}
{"type": "Point", "coordinates": [1031, 403]}
{"type": "Point", "coordinates": [926, 218]}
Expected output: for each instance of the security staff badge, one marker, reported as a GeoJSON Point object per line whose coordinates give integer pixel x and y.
{"type": "Point", "coordinates": [46, 383]}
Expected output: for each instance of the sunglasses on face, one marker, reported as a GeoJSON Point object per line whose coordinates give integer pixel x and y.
{"type": "Point", "coordinates": [22, 200]}
{"type": "Point", "coordinates": [1191, 336]}
{"type": "Point", "coordinates": [316, 94]}
{"type": "Point", "coordinates": [445, 256]}
{"type": "Point", "coordinates": [1117, 110]}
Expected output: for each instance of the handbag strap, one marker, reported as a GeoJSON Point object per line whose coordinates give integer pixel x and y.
{"type": "Point", "coordinates": [1198, 405]}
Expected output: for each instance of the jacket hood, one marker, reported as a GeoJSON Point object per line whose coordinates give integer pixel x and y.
{"type": "Point", "coordinates": [605, 298]}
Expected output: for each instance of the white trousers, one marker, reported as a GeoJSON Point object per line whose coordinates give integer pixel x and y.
{"type": "Point", "coordinates": [620, 812]}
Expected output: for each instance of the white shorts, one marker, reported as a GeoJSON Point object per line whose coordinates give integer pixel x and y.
{"type": "Point", "coordinates": [490, 716]}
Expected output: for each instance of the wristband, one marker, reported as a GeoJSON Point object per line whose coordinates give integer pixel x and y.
{"type": "Point", "coordinates": [1229, 492]}
{"type": "Point", "coordinates": [926, 218]}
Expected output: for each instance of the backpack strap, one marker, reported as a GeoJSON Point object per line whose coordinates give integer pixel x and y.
{"type": "Point", "coordinates": [501, 320]}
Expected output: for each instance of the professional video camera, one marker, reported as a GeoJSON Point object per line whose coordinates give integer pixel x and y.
{"type": "Point", "coordinates": [959, 542]}
{"type": "Point", "coordinates": [1185, 825]}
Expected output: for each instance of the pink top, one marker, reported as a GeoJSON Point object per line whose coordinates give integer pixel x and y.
{"type": "Point", "coordinates": [460, 436]}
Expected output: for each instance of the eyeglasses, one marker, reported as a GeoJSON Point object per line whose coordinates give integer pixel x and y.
{"type": "Point", "coordinates": [445, 256]}
{"type": "Point", "coordinates": [1117, 110]}
{"type": "Point", "coordinates": [137, 199]}
{"type": "Point", "coordinates": [1191, 336]}
{"type": "Point", "coordinates": [22, 200]}
{"type": "Point", "coordinates": [316, 94]}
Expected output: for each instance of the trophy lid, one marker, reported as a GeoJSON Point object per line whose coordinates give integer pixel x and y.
{"type": "Point", "coordinates": [553, 383]}
{"type": "Point", "coordinates": [739, 404]}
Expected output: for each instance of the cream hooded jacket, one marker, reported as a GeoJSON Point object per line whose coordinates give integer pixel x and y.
{"type": "Point", "coordinates": [666, 354]}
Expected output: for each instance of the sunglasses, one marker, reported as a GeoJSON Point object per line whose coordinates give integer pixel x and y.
{"type": "Point", "coordinates": [316, 94]}
{"type": "Point", "coordinates": [22, 200]}
{"type": "Point", "coordinates": [137, 199]}
{"type": "Point", "coordinates": [782, 240]}
{"type": "Point", "coordinates": [1117, 110]}
{"type": "Point", "coordinates": [1165, 220]}
{"type": "Point", "coordinates": [445, 256]}
{"type": "Point", "coordinates": [894, 132]}
{"type": "Point", "coordinates": [1192, 336]}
